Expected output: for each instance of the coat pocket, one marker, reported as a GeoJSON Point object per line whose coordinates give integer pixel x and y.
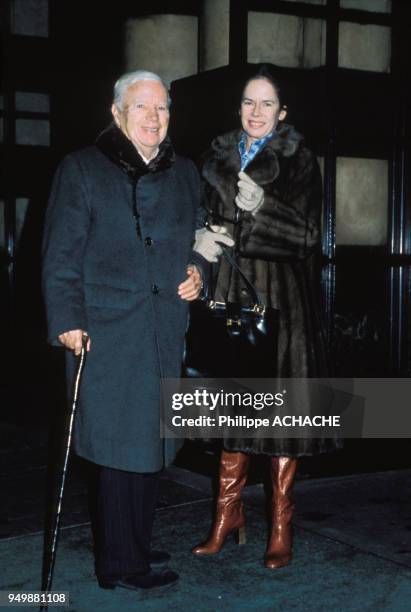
{"type": "Point", "coordinates": [107, 296]}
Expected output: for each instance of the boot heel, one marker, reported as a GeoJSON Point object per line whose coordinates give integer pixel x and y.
{"type": "Point", "coordinates": [240, 536]}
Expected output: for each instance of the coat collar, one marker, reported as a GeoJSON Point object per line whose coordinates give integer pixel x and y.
{"type": "Point", "coordinates": [119, 149]}
{"type": "Point", "coordinates": [222, 160]}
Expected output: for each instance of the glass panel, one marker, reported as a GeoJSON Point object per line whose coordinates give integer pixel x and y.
{"type": "Point", "coordinates": [22, 205]}
{"type": "Point", "coordinates": [313, 42]}
{"type": "Point", "coordinates": [364, 47]}
{"type": "Point", "coordinates": [375, 6]}
{"type": "Point", "coordinates": [165, 44]}
{"type": "Point", "coordinates": [30, 18]}
{"type": "Point", "coordinates": [286, 40]}
{"type": "Point", "coordinates": [33, 132]}
{"type": "Point", "coordinates": [361, 201]}
{"type": "Point", "coordinates": [214, 34]}
{"type": "Point", "coordinates": [32, 101]}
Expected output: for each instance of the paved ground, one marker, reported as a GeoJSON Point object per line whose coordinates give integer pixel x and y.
{"type": "Point", "coordinates": [352, 550]}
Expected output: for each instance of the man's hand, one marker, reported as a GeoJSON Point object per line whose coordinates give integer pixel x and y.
{"type": "Point", "coordinates": [250, 196]}
{"type": "Point", "coordinates": [73, 340]}
{"type": "Point", "coordinates": [190, 289]}
{"type": "Point", "coordinates": [208, 242]}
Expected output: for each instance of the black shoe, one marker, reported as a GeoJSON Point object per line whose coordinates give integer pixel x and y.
{"type": "Point", "coordinates": [158, 558]}
{"type": "Point", "coordinates": [135, 582]}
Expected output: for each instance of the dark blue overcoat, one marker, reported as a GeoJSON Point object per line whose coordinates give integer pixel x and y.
{"type": "Point", "coordinates": [100, 276]}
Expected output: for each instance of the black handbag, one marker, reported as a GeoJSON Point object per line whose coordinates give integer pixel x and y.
{"type": "Point", "coordinates": [225, 339]}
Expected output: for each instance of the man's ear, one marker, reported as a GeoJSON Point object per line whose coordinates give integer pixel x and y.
{"type": "Point", "coordinates": [116, 114]}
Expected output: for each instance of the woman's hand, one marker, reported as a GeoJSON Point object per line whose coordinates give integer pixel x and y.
{"type": "Point", "coordinates": [250, 196]}
{"type": "Point", "coordinates": [190, 289]}
{"type": "Point", "coordinates": [208, 242]}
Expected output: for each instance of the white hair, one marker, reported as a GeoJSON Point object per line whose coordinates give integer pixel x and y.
{"type": "Point", "coordinates": [128, 79]}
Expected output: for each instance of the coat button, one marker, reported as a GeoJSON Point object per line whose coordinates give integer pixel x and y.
{"type": "Point", "coordinates": [149, 241]}
{"type": "Point", "coordinates": [154, 289]}
{"type": "Point", "coordinates": [244, 291]}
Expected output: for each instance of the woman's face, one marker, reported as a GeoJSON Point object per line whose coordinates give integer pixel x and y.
{"type": "Point", "coordinates": [260, 109]}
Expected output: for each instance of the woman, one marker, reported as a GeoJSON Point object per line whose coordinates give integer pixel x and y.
{"type": "Point", "coordinates": [263, 186]}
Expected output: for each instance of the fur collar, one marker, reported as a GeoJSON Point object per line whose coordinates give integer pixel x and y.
{"type": "Point", "coordinates": [222, 160]}
{"type": "Point", "coordinates": [119, 149]}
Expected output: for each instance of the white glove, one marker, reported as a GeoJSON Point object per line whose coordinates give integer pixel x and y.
{"type": "Point", "coordinates": [207, 242]}
{"type": "Point", "coordinates": [250, 196]}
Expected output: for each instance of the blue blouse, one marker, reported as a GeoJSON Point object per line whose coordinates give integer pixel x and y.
{"type": "Point", "coordinates": [255, 148]}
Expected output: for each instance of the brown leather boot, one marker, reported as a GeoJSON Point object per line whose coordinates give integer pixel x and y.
{"type": "Point", "coordinates": [279, 549]}
{"type": "Point", "coordinates": [229, 515]}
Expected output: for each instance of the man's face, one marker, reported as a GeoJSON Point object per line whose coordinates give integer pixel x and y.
{"type": "Point", "coordinates": [145, 116]}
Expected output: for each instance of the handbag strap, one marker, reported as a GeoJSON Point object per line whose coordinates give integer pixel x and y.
{"type": "Point", "coordinates": [255, 298]}
{"type": "Point", "coordinates": [250, 288]}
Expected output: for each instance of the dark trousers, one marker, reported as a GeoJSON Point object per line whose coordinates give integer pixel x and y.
{"type": "Point", "coordinates": [123, 521]}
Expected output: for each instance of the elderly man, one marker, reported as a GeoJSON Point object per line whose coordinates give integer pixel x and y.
{"type": "Point", "coordinates": [119, 266]}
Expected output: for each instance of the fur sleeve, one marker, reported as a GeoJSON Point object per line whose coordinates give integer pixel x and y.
{"type": "Point", "coordinates": [288, 224]}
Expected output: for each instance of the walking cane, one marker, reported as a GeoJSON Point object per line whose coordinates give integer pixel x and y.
{"type": "Point", "coordinates": [56, 523]}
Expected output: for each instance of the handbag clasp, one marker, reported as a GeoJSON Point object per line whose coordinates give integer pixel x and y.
{"type": "Point", "coordinates": [259, 309]}
{"type": "Point", "coordinates": [213, 305]}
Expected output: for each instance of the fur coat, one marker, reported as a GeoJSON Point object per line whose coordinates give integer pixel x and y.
{"type": "Point", "coordinates": [277, 249]}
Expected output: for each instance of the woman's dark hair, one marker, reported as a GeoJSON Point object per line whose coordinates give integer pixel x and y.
{"type": "Point", "coordinates": [264, 72]}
